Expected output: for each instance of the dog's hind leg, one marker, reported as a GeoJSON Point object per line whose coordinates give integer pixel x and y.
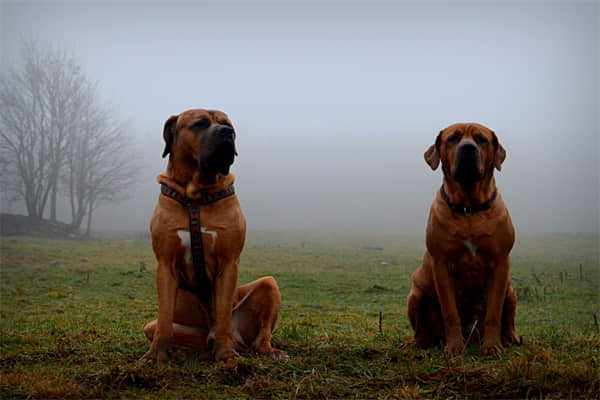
{"type": "Point", "coordinates": [183, 336]}
{"type": "Point", "coordinates": [425, 316]}
{"type": "Point", "coordinates": [255, 314]}
{"type": "Point", "coordinates": [508, 318]}
{"type": "Point", "coordinates": [414, 300]}
{"type": "Point", "coordinates": [190, 323]}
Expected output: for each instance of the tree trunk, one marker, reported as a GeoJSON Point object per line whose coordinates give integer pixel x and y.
{"type": "Point", "coordinates": [53, 204]}
{"type": "Point", "coordinates": [30, 205]}
{"type": "Point", "coordinates": [89, 219]}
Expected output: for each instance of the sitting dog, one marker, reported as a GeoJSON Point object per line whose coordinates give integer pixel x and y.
{"type": "Point", "coordinates": [198, 232]}
{"type": "Point", "coordinates": [463, 286]}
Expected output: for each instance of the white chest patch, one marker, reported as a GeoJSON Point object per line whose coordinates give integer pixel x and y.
{"type": "Point", "coordinates": [472, 248]}
{"type": "Point", "coordinates": [184, 236]}
{"type": "Point", "coordinates": [214, 237]}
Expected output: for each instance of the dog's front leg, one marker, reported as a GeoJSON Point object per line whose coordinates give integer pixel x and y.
{"type": "Point", "coordinates": [167, 292]}
{"type": "Point", "coordinates": [224, 285]}
{"type": "Point", "coordinates": [446, 291]}
{"type": "Point", "coordinates": [497, 286]}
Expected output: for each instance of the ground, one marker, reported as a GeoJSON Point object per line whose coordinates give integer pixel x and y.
{"type": "Point", "coordinates": [72, 312]}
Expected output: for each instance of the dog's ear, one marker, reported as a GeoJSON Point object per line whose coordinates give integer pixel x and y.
{"type": "Point", "coordinates": [432, 155]}
{"type": "Point", "coordinates": [169, 133]}
{"type": "Point", "coordinates": [499, 152]}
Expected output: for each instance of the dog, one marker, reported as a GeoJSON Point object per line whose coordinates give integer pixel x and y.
{"type": "Point", "coordinates": [463, 288]}
{"type": "Point", "coordinates": [198, 233]}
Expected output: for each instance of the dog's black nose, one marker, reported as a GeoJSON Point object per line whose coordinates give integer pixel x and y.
{"type": "Point", "coordinates": [224, 131]}
{"type": "Point", "coordinates": [468, 149]}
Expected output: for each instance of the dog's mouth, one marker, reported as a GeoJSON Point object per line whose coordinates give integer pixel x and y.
{"type": "Point", "coordinates": [467, 170]}
{"type": "Point", "coordinates": [467, 173]}
{"type": "Point", "coordinates": [218, 156]}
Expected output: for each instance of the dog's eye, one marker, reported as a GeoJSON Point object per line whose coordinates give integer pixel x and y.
{"type": "Point", "coordinates": [201, 124]}
{"type": "Point", "coordinates": [454, 138]}
{"type": "Point", "coordinates": [480, 139]}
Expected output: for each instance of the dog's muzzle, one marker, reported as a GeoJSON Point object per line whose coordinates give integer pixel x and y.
{"type": "Point", "coordinates": [467, 164]}
{"type": "Point", "coordinates": [220, 151]}
{"type": "Point", "coordinates": [224, 132]}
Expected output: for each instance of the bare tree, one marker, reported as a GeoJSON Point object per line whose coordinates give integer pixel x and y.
{"type": "Point", "coordinates": [54, 133]}
{"type": "Point", "coordinates": [69, 94]}
{"type": "Point", "coordinates": [101, 165]}
{"type": "Point", "coordinates": [78, 167]}
{"type": "Point", "coordinates": [40, 101]}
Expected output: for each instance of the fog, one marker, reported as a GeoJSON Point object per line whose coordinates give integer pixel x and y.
{"type": "Point", "coordinates": [335, 104]}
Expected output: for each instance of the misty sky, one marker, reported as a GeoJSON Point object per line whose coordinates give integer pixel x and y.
{"type": "Point", "coordinates": [334, 104]}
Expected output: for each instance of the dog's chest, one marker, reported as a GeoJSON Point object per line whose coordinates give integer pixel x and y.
{"type": "Point", "coordinates": [471, 247]}
{"type": "Point", "coordinates": [209, 240]}
{"type": "Point", "coordinates": [471, 265]}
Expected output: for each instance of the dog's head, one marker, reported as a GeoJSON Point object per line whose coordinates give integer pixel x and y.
{"type": "Point", "coordinates": [205, 136]}
{"type": "Point", "coordinates": [468, 152]}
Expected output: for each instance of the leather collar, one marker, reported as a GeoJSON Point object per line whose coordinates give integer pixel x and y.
{"type": "Point", "coordinates": [462, 209]}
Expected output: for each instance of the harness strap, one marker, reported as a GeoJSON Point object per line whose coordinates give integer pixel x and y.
{"type": "Point", "coordinates": [202, 286]}
{"type": "Point", "coordinates": [204, 199]}
{"type": "Point", "coordinates": [462, 209]}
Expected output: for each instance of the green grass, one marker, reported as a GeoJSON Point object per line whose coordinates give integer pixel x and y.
{"type": "Point", "coordinates": [72, 312]}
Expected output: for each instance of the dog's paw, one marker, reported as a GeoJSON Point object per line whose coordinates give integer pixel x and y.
{"type": "Point", "coordinates": [492, 347]}
{"type": "Point", "coordinates": [454, 347]}
{"type": "Point", "coordinates": [158, 351]}
{"type": "Point", "coordinates": [422, 341]}
{"type": "Point", "coordinates": [225, 354]}
{"type": "Point", "coordinates": [154, 355]}
{"type": "Point", "coordinates": [510, 340]}
{"type": "Point", "coordinates": [279, 355]}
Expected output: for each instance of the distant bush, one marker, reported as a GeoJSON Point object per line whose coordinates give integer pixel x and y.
{"type": "Point", "coordinates": [14, 224]}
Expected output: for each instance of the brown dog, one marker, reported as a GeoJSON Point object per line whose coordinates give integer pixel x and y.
{"type": "Point", "coordinates": [199, 305]}
{"type": "Point", "coordinates": [463, 287]}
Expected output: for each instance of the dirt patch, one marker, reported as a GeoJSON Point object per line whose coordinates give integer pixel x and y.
{"type": "Point", "coordinates": [236, 375]}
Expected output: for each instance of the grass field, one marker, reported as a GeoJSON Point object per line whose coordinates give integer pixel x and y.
{"type": "Point", "coordinates": [72, 312]}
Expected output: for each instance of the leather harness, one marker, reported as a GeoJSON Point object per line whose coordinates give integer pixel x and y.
{"type": "Point", "coordinates": [202, 286]}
